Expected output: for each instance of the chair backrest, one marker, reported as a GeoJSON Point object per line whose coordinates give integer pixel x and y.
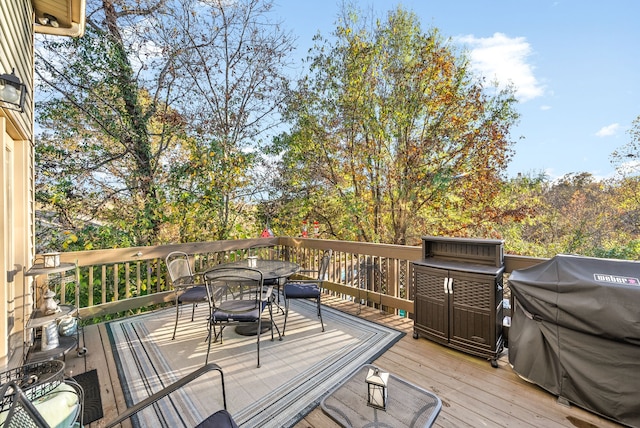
{"type": "Point", "coordinates": [21, 412]}
{"type": "Point", "coordinates": [179, 267]}
{"type": "Point", "coordinates": [324, 265]}
{"type": "Point", "coordinates": [234, 283]}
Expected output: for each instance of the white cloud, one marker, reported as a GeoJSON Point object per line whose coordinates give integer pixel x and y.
{"type": "Point", "coordinates": [545, 107]}
{"type": "Point", "coordinates": [505, 59]}
{"type": "Point", "coordinates": [629, 168]}
{"type": "Point", "coordinates": [608, 130]}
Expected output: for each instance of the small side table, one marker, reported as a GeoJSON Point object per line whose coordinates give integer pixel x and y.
{"type": "Point", "coordinates": [408, 404]}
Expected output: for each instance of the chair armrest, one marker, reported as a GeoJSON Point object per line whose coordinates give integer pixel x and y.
{"type": "Point", "coordinates": [266, 294]}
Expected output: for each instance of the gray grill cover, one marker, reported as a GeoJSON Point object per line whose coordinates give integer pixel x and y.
{"type": "Point", "coordinates": [575, 331]}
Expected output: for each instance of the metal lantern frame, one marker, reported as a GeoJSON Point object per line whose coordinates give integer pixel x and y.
{"type": "Point", "coordinates": [12, 92]}
{"type": "Point", "coordinates": [377, 388]}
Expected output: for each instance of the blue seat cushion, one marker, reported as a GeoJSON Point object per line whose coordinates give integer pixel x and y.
{"type": "Point", "coordinates": [220, 419]}
{"type": "Point", "coordinates": [238, 310]}
{"type": "Point", "coordinates": [301, 290]}
{"type": "Point", "coordinates": [193, 294]}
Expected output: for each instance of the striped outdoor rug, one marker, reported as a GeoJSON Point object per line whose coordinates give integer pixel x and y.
{"type": "Point", "coordinates": [294, 375]}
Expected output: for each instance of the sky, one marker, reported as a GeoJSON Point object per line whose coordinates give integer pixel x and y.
{"type": "Point", "coordinates": [575, 64]}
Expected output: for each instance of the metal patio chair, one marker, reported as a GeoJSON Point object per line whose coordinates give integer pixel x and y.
{"type": "Point", "coordinates": [307, 289]}
{"type": "Point", "coordinates": [219, 419]}
{"type": "Point", "coordinates": [238, 296]}
{"type": "Point", "coordinates": [23, 406]}
{"type": "Point", "coordinates": [187, 288]}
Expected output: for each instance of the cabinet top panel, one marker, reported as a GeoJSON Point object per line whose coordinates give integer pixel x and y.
{"type": "Point", "coordinates": [464, 250]}
{"type": "Point", "coordinates": [477, 241]}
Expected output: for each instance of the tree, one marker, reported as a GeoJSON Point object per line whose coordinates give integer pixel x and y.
{"type": "Point", "coordinates": [159, 108]}
{"type": "Point", "coordinates": [393, 133]}
{"type": "Point", "coordinates": [109, 120]}
{"type": "Point", "coordinates": [627, 158]}
{"type": "Point", "coordinates": [234, 59]}
{"type": "Point", "coordinates": [576, 214]}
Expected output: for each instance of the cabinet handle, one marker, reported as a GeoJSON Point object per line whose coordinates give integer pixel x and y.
{"type": "Point", "coordinates": [450, 285]}
{"type": "Point", "coordinates": [446, 288]}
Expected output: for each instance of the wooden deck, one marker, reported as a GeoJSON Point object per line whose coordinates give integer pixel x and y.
{"type": "Point", "coordinates": [473, 393]}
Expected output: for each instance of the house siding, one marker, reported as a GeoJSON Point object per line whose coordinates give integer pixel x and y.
{"type": "Point", "coordinates": [16, 179]}
{"type": "Point", "coordinates": [16, 47]}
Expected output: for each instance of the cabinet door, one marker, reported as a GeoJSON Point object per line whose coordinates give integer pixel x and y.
{"type": "Point", "coordinates": [472, 315]}
{"type": "Point", "coordinates": [431, 303]}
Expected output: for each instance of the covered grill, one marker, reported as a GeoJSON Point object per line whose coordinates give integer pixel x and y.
{"type": "Point", "coordinates": [576, 332]}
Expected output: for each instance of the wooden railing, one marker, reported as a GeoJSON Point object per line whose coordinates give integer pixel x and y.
{"type": "Point", "coordinates": [129, 279]}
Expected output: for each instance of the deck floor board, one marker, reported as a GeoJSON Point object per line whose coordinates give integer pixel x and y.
{"type": "Point", "coordinates": [473, 393]}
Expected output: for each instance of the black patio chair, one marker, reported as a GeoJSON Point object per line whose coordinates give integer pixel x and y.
{"type": "Point", "coordinates": [187, 288]}
{"type": "Point", "coordinates": [307, 289]}
{"type": "Point", "coordinates": [238, 295]}
{"type": "Point", "coordinates": [42, 405]}
{"type": "Point", "coordinates": [219, 419]}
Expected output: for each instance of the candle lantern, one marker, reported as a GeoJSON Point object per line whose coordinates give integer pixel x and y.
{"type": "Point", "coordinates": [51, 260]}
{"type": "Point", "coordinates": [377, 388]}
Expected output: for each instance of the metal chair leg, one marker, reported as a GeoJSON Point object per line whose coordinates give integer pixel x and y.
{"type": "Point", "coordinates": [175, 326]}
{"type": "Point", "coordinates": [286, 314]}
{"type": "Point", "coordinates": [320, 312]}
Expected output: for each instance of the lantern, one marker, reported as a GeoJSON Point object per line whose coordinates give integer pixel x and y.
{"type": "Point", "coordinates": [12, 92]}
{"type": "Point", "coordinates": [377, 388]}
{"type": "Point", "coordinates": [51, 260]}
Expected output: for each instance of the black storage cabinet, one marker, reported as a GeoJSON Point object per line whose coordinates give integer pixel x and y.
{"type": "Point", "coordinates": [458, 294]}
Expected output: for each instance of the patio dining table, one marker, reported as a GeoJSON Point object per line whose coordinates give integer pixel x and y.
{"type": "Point", "coordinates": [272, 270]}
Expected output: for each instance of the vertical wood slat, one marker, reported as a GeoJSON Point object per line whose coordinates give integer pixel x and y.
{"type": "Point", "coordinates": [355, 271]}
{"type": "Point", "coordinates": [148, 272]}
{"type": "Point", "coordinates": [90, 287]}
{"type": "Point", "coordinates": [115, 282]}
{"type": "Point", "coordinates": [127, 293]}
{"type": "Point", "coordinates": [392, 277]}
{"type": "Point", "coordinates": [158, 276]}
{"type": "Point", "coordinates": [138, 279]}
{"type": "Point", "coordinates": [104, 283]}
